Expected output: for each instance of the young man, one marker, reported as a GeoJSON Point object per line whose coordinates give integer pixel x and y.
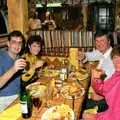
{"type": "Point", "coordinates": [11, 64]}
{"type": "Point", "coordinates": [101, 53]}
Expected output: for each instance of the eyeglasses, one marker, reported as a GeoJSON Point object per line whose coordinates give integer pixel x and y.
{"type": "Point", "coordinates": [16, 42]}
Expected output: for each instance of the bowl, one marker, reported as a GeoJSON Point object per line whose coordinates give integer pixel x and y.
{"type": "Point", "coordinates": [37, 89]}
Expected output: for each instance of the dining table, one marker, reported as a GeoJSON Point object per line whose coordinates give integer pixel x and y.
{"type": "Point", "coordinates": [74, 104]}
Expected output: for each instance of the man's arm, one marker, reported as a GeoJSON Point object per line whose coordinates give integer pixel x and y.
{"type": "Point", "coordinates": [18, 65]}
{"type": "Point", "coordinates": [95, 55]}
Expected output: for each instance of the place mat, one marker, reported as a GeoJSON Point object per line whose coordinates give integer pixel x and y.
{"type": "Point", "coordinates": [5, 101]}
{"type": "Point", "coordinates": [12, 113]}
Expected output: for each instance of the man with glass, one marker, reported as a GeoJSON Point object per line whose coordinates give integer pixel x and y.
{"type": "Point", "coordinates": [10, 66]}
{"type": "Point", "coordinates": [100, 53]}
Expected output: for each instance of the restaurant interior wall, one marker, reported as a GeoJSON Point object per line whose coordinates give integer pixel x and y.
{"type": "Point", "coordinates": [61, 40]}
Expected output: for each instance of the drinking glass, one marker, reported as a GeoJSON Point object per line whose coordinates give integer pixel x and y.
{"type": "Point", "coordinates": [37, 102]}
{"type": "Point", "coordinates": [49, 95]}
{"type": "Point", "coordinates": [27, 64]}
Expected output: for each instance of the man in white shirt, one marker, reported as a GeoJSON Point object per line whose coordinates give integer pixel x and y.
{"type": "Point", "coordinates": [105, 62]}
{"type": "Point", "coordinates": [101, 53]}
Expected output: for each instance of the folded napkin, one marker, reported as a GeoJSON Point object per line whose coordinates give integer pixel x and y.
{"type": "Point", "coordinates": [92, 110]}
{"type": "Point", "coordinates": [12, 113]}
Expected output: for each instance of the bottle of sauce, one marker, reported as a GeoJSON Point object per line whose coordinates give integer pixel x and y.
{"type": "Point", "coordinates": [64, 70]}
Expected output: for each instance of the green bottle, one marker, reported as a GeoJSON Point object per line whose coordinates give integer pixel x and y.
{"type": "Point", "coordinates": [25, 101]}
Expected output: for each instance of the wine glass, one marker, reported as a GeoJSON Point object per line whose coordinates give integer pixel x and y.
{"type": "Point", "coordinates": [37, 102]}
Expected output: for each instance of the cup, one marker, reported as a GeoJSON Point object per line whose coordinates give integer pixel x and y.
{"type": "Point", "coordinates": [99, 72]}
{"type": "Point", "coordinates": [49, 95]}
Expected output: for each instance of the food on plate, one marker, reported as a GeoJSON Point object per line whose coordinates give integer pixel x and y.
{"type": "Point", "coordinates": [58, 83]}
{"type": "Point", "coordinates": [72, 90]}
{"type": "Point", "coordinates": [62, 112]}
{"type": "Point", "coordinates": [78, 75]}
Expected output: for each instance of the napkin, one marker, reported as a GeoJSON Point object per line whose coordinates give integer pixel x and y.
{"type": "Point", "coordinates": [12, 113]}
{"type": "Point", "coordinates": [5, 101]}
{"type": "Point", "coordinates": [92, 110]}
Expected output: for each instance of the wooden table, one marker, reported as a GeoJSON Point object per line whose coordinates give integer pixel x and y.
{"type": "Point", "coordinates": [58, 101]}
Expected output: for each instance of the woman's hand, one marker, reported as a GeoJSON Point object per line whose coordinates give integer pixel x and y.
{"type": "Point", "coordinates": [95, 96]}
{"type": "Point", "coordinates": [38, 64]}
{"type": "Point", "coordinates": [88, 116]}
{"type": "Point", "coordinates": [80, 56]}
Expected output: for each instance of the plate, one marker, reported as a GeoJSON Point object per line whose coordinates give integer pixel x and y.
{"type": "Point", "coordinates": [69, 91]}
{"type": "Point", "coordinates": [78, 76]}
{"type": "Point", "coordinates": [58, 113]}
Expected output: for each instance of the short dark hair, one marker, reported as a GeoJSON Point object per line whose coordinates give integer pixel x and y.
{"type": "Point", "coordinates": [35, 38]}
{"type": "Point", "coordinates": [17, 33]}
{"type": "Point", "coordinates": [101, 32]}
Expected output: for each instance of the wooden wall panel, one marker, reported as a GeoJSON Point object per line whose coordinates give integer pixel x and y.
{"type": "Point", "coordinates": [18, 15]}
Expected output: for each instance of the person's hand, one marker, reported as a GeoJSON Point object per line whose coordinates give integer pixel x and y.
{"type": "Point", "coordinates": [80, 56]}
{"type": "Point", "coordinates": [96, 97]}
{"type": "Point", "coordinates": [51, 66]}
{"type": "Point", "coordinates": [96, 73]}
{"type": "Point", "coordinates": [88, 116]}
{"type": "Point", "coordinates": [38, 64]}
{"type": "Point", "coordinates": [19, 64]}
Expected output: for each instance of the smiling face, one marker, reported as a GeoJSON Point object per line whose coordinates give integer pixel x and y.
{"type": "Point", "coordinates": [116, 62]}
{"type": "Point", "coordinates": [14, 45]}
{"type": "Point", "coordinates": [102, 43]}
{"type": "Point", "coordinates": [35, 48]}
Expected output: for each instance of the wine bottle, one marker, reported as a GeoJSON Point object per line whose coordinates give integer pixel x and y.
{"type": "Point", "coordinates": [25, 101]}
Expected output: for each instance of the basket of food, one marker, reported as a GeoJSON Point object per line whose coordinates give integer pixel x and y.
{"type": "Point", "coordinates": [37, 89]}
{"type": "Point", "coordinates": [73, 89]}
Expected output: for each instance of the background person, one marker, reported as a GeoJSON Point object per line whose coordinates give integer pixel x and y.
{"type": "Point", "coordinates": [49, 23]}
{"type": "Point", "coordinates": [34, 22]}
{"type": "Point", "coordinates": [110, 89]}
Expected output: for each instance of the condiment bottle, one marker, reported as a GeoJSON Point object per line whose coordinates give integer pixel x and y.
{"type": "Point", "coordinates": [64, 70]}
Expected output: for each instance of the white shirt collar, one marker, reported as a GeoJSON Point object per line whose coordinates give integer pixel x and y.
{"type": "Point", "coordinates": [108, 52]}
{"type": "Point", "coordinates": [105, 55]}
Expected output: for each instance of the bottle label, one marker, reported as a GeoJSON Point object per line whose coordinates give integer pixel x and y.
{"type": "Point", "coordinates": [24, 108]}
{"type": "Point", "coordinates": [64, 70]}
{"type": "Point", "coordinates": [63, 76]}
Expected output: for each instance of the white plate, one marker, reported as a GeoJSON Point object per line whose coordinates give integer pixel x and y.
{"type": "Point", "coordinates": [51, 111]}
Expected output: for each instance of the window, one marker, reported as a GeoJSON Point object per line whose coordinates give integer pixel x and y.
{"type": "Point", "coordinates": [101, 16]}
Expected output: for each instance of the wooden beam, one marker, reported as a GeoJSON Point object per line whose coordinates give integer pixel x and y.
{"type": "Point", "coordinates": [18, 15]}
